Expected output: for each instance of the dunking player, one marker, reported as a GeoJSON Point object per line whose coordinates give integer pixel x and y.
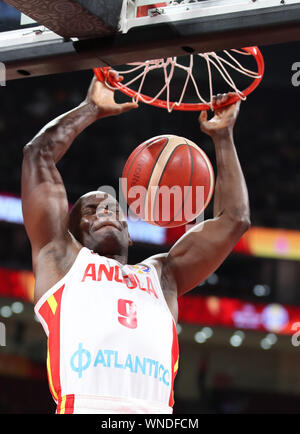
{"type": "Point", "coordinates": [112, 342]}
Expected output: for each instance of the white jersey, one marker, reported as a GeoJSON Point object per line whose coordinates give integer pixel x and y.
{"type": "Point", "coordinates": [112, 341]}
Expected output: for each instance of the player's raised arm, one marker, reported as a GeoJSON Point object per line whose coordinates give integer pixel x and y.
{"type": "Point", "coordinates": [204, 247]}
{"type": "Point", "coordinates": [44, 199]}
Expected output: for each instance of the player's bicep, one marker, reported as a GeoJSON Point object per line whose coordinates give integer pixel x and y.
{"type": "Point", "coordinates": [44, 202]}
{"type": "Point", "coordinates": [200, 251]}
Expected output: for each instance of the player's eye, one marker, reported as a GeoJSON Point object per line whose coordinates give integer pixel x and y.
{"type": "Point", "coordinates": [89, 210]}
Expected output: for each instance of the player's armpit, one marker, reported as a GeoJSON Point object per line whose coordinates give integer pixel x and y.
{"type": "Point", "coordinates": [167, 281]}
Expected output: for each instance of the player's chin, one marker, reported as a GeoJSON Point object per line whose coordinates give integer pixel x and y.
{"type": "Point", "coordinates": [109, 242]}
{"type": "Point", "coordinates": [104, 232]}
{"type": "Point", "coordinates": [109, 234]}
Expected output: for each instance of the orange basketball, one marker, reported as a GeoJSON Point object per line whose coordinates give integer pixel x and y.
{"type": "Point", "coordinates": [167, 181]}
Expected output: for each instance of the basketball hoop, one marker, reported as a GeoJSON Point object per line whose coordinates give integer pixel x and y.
{"type": "Point", "coordinates": [227, 59]}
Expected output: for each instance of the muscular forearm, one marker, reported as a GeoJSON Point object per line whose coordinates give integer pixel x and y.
{"type": "Point", "coordinates": [57, 136]}
{"type": "Point", "coordinates": [231, 195]}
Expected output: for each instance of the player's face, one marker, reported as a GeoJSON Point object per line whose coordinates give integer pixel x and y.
{"type": "Point", "coordinates": [103, 226]}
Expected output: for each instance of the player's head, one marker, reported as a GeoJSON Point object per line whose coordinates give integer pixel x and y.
{"type": "Point", "coordinates": [98, 222]}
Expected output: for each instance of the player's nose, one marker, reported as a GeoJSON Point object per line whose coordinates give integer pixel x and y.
{"type": "Point", "coordinates": [104, 212]}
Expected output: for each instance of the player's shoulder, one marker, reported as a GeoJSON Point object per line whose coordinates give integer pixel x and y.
{"type": "Point", "coordinates": [167, 280]}
{"type": "Point", "coordinates": [157, 261]}
{"type": "Point", "coordinates": [164, 271]}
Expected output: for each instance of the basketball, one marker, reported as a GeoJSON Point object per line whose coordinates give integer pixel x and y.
{"type": "Point", "coordinates": [167, 181]}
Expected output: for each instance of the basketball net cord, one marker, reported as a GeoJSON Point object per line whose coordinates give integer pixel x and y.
{"type": "Point", "coordinates": [169, 64]}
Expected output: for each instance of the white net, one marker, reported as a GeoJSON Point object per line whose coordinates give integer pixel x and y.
{"type": "Point", "coordinates": [223, 64]}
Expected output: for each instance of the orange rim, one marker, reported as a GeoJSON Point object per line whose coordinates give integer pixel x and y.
{"type": "Point", "coordinates": [103, 74]}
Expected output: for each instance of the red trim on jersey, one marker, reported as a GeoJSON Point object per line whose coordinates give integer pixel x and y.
{"type": "Point", "coordinates": [174, 366]}
{"type": "Point", "coordinates": [53, 322]}
{"type": "Point", "coordinates": [69, 408]}
{"type": "Point", "coordinates": [66, 404]}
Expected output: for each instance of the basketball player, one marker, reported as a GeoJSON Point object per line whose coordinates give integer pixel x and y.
{"type": "Point", "coordinates": [112, 342]}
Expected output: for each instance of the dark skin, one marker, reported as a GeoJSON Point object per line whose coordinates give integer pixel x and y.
{"type": "Point", "coordinates": [98, 223]}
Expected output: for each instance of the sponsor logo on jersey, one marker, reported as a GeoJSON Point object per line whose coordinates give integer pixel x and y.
{"type": "Point", "coordinates": [82, 360]}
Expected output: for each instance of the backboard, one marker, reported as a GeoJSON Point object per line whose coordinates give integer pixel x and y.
{"type": "Point", "coordinates": [79, 35]}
